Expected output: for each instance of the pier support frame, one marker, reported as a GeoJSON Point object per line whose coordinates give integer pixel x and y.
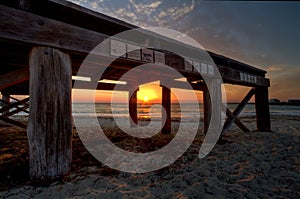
{"type": "Point", "coordinates": [166, 113]}
{"type": "Point", "coordinates": [263, 121]}
{"type": "Point", "coordinates": [206, 107]}
{"type": "Point", "coordinates": [6, 101]}
{"type": "Point", "coordinates": [233, 116]}
{"type": "Point", "coordinates": [133, 107]}
{"type": "Point", "coordinates": [50, 124]}
{"type": "Point", "coordinates": [212, 89]}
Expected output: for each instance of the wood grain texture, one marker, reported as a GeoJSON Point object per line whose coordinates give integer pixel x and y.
{"type": "Point", "coordinates": [43, 31]}
{"type": "Point", "coordinates": [50, 124]}
{"type": "Point", "coordinates": [212, 105]}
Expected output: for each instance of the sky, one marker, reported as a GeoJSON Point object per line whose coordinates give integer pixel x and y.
{"type": "Point", "coordinates": [263, 34]}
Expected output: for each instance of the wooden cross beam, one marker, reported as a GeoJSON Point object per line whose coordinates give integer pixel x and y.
{"type": "Point", "coordinates": [100, 86]}
{"type": "Point", "coordinates": [14, 105]}
{"type": "Point", "coordinates": [14, 98]}
{"type": "Point", "coordinates": [233, 117]}
{"type": "Point", "coordinates": [19, 109]}
{"type": "Point", "coordinates": [6, 111]}
{"type": "Point", "coordinates": [13, 122]}
{"type": "Point", "coordinates": [13, 78]}
{"type": "Point", "coordinates": [237, 121]}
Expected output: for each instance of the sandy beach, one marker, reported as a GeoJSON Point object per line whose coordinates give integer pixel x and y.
{"type": "Point", "coordinates": [247, 165]}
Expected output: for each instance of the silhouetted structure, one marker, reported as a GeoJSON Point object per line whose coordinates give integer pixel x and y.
{"type": "Point", "coordinates": [43, 44]}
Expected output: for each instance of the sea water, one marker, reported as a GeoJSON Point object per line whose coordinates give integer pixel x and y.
{"type": "Point", "coordinates": [178, 111]}
{"type": "Point", "coordinates": [183, 111]}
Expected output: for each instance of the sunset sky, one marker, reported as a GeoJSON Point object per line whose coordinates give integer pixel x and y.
{"type": "Point", "coordinates": [263, 34]}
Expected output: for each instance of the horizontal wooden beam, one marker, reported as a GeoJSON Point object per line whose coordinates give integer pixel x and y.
{"type": "Point", "coordinates": [26, 27]}
{"type": "Point", "coordinates": [13, 122]}
{"type": "Point", "coordinates": [100, 86]}
{"type": "Point", "coordinates": [114, 25]}
{"type": "Point", "coordinates": [234, 64]}
{"type": "Point", "coordinates": [13, 78]}
{"type": "Point", "coordinates": [183, 85]}
{"type": "Point", "coordinates": [16, 91]}
{"type": "Point", "coordinates": [233, 76]}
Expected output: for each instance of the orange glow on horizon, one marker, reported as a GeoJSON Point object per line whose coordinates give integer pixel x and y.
{"type": "Point", "coordinates": [149, 93]}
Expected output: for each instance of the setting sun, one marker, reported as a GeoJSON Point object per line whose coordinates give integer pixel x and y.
{"type": "Point", "coordinates": [149, 93]}
{"type": "Point", "coordinates": [146, 99]}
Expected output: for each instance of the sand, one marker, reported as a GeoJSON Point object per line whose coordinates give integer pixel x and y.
{"type": "Point", "coordinates": [247, 165]}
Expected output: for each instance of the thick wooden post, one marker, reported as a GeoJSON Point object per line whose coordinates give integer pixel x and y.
{"type": "Point", "coordinates": [212, 98]}
{"type": "Point", "coordinates": [6, 100]}
{"type": "Point", "coordinates": [166, 114]}
{"type": "Point", "coordinates": [263, 121]}
{"type": "Point", "coordinates": [50, 124]}
{"type": "Point", "coordinates": [133, 107]}
{"type": "Point", "coordinates": [206, 107]}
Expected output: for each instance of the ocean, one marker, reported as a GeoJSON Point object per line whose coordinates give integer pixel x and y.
{"type": "Point", "coordinates": [185, 112]}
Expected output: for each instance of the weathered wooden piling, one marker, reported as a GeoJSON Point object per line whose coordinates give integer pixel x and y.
{"type": "Point", "coordinates": [212, 100]}
{"type": "Point", "coordinates": [206, 107]}
{"type": "Point", "coordinates": [5, 102]}
{"type": "Point", "coordinates": [133, 107]}
{"type": "Point", "coordinates": [263, 121]}
{"type": "Point", "coordinates": [166, 112]}
{"type": "Point", "coordinates": [50, 123]}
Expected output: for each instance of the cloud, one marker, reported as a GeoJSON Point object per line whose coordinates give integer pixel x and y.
{"type": "Point", "coordinates": [274, 68]}
{"type": "Point", "coordinates": [143, 8]}
{"type": "Point", "coordinates": [143, 13]}
{"type": "Point", "coordinates": [173, 14]}
{"type": "Point", "coordinates": [127, 16]}
{"type": "Point", "coordinates": [262, 34]}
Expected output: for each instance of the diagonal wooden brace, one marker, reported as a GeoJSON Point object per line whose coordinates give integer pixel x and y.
{"type": "Point", "coordinates": [234, 116]}
{"type": "Point", "coordinates": [237, 121]}
{"type": "Point", "coordinates": [14, 105]}
{"type": "Point", "coordinates": [19, 109]}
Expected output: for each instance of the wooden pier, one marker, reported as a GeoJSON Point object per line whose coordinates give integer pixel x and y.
{"type": "Point", "coordinates": [43, 44]}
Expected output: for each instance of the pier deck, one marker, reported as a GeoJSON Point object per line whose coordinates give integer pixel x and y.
{"type": "Point", "coordinates": [43, 44]}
